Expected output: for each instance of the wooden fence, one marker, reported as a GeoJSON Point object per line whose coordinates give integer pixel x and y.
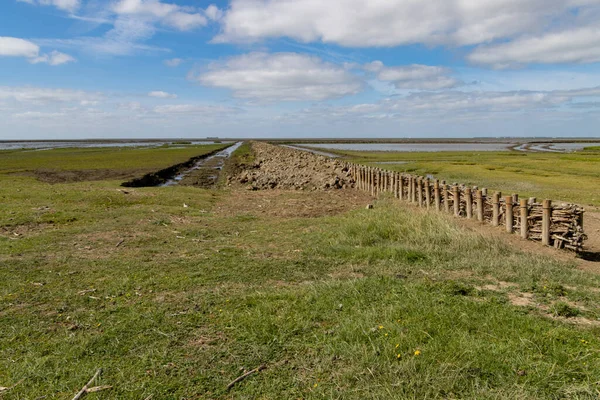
{"type": "Point", "coordinates": [560, 226]}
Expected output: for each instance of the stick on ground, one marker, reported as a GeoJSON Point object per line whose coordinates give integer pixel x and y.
{"type": "Point", "coordinates": [87, 389]}
{"type": "Point", "coordinates": [247, 374]}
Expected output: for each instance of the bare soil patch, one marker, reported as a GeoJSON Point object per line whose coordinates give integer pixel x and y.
{"type": "Point", "coordinates": [290, 203]}
{"type": "Point", "coordinates": [68, 176]}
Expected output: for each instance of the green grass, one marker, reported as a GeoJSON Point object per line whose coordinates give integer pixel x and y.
{"type": "Point", "coordinates": [568, 177]}
{"type": "Point", "coordinates": [370, 304]}
{"type": "Point", "coordinates": [119, 158]}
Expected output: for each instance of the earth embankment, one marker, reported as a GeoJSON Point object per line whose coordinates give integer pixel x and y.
{"type": "Point", "coordinates": [285, 168]}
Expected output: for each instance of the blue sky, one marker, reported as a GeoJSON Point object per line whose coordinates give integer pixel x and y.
{"type": "Point", "coordinates": [299, 68]}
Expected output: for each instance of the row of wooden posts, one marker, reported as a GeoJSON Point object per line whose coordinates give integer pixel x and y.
{"type": "Point", "coordinates": [522, 215]}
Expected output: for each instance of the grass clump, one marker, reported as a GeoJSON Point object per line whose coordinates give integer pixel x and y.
{"type": "Point", "coordinates": [562, 309]}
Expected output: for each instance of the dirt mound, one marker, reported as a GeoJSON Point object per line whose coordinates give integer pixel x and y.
{"type": "Point", "coordinates": [285, 168]}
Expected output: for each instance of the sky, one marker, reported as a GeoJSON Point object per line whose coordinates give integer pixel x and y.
{"type": "Point", "coordinates": [89, 69]}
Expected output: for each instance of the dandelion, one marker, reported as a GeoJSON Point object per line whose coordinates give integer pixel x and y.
{"type": "Point", "coordinates": [386, 334]}
{"type": "Point", "coordinates": [398, 345]}
{"type": "Point", "coordinates": [380, 327]}
{"type": "Point", "coordinates": [583, 341]}
{"type": "Point", "coordinates": [398, 356]}
{"type": "Point", "coordinates": [417, 352]}
{"type": "Point", "coordinates": [315, 385]}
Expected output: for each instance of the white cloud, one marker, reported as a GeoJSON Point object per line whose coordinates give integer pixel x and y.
{"type": "Point", "coordinates": [174, 62]}
{"type": "Point", "coordinates": [166, 13]}
{"type": "Point", "coordinates": [123, 39]}
{"type": "Point", "coordinates": [280, 76]}
{"type": "Point", "coordinates": [509, 32]}
{"type": "Point", "coordinates": [133, 23]}
{"type": "Point", "coordinates": [66, 5]}
{"type": "Point", "coordinates": [162, 95]}
{"type": "Point", "coordinates": [54, 58]}
{"type": "Point", "coordinates": [364, 23]}
{"type": "Point", "coordinates": [15, 47]}
{"type": "Point", "coordinates": [572, 46]}
{"type": "Point", "coordinates": [195, 110]}
{"type": "Point", "coordinates": [41, 96]}
{"type": "Point", "coordinates": [213, 13]}
{"type": "Point", "coordinates": [422, 77]}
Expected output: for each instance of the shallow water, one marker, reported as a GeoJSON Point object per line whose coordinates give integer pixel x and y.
{"type": "Point", "coordinates": [435, 147]}
{"type": "Point", "coordinates": [215, 161]}
{"type": "Point", "coordinates": [412, 147]}
{"type": "Point", "coordinates": [321, 153]}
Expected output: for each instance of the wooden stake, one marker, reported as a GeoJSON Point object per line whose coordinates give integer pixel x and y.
{"type": "Point", "coordinates": [508, 205]}
{"type": "Point", "coordinates": [479, 199]}
{"type": "Point", "coordinates": [469, 201]}
{"type": "Point", "coordinates": [401, 187]}
{"type": "Point", "coordinates": [496, 209]}
{"type": "Point", "coordinates": [420, 191]}
{"type": "Point", "coordinates": [436, 195]}
{"type": "Point", "coordinates": [546, 222]}
{"type": "Point", "coordinates": [446, 197]}
{"type": "Point", "coordinates": [523, 221]}
{"type": "Point", "coordinates": [427, 193]}
{"type": "Point", "coordinates": [456, 200]}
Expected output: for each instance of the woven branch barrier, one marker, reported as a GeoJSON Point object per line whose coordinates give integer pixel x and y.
{"type": "Point", "coordinates": [560, 226]}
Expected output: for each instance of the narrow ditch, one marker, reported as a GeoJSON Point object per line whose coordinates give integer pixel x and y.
{"type": "Point", "coordinates": [202, 171]}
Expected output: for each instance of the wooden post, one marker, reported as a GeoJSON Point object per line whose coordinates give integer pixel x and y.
{"type": "Point", "coordinates": [427, 193]}
{"type": "Point", "coordinates": [546, 222]}
{"type": "Point", "coordinates": [401, 186]}
{"type": "Point", "coordinates": [523, 220]}
{"type": "Point", "coordinates": [508, 205]}
{"type": "Point", "coordinates": [395, 184]}
{"type": "Point", "coordinates": [446, 192]}
{"type": "Point", "coordinates": [469, 202]}
{"type": "Point", "coordinates": [410, 184]}
{"type": "Point", "coordinates": [515, 198]}
{"type": "Point", "coordinates": [436, 195]}
{"type": "Point", "coordinates": [496, 209]}
{"type": "Point", "coordinates": [484, 192]}
{"type": "Point", "coordinates": [456, 200]}
{"type": "Point", "coordinates": [420, 191]}
{"type": "Point", "coordinates": [414, 189]}
{"type": "Point", "coordinates": [385, 181]}
{"type": "Point", "coordinates": [480, 205]}
{"type": "Point", "coordinates": [372, 180]}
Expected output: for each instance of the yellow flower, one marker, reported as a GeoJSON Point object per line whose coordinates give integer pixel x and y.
{"type": "Point", "coordinates": [386, 334]}
{"type": "Point", "coordinates": [315, 385]}
{"type": "Point", "coordinates": [418, 353]}
{"type": "Point", "coordinates": [398, 356]}
{"type": "Point", "coordinates": [583, 341]}
{"type": "Point", "coordinates": [380, 326]}
{"type": "Point", "coordinates": [398, 345]}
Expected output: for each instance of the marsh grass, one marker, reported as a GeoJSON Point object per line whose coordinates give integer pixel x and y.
{"type": "Point", "coordinates": [568, 177]}
{"type": "Point", "coordinates": [382, 303]}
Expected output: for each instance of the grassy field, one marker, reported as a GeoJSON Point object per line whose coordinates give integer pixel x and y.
{"type": "Point", "coordinates": [63, 165]}
{"type": "Point", "coordinates": [177, 301]}
{"type": "Point", "coordinates": [572, 177]}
